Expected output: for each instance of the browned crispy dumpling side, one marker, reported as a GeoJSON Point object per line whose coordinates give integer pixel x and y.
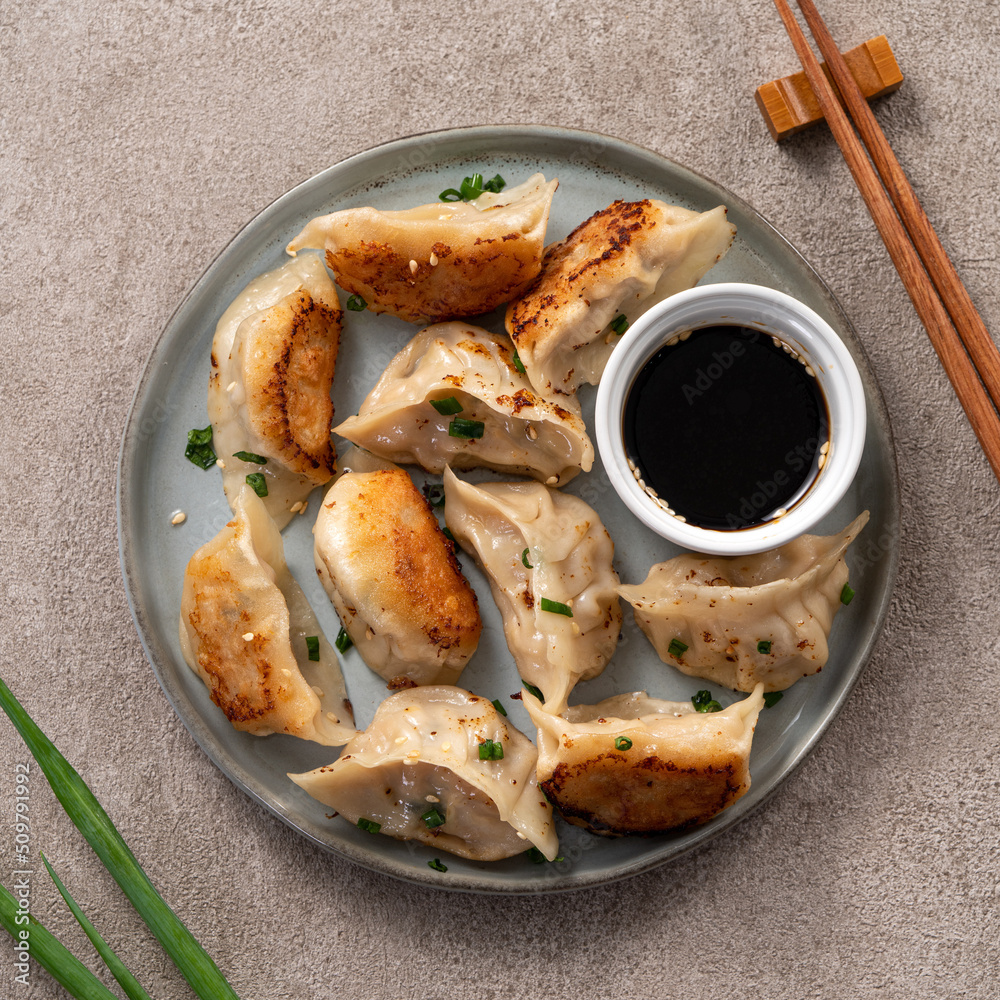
{"type": "Point", "coordinates": [273, 359]}
{"type": "Point", "coordinates": [439, 261]}
{"type": "Point", "coordinates": [393, 577]}
{"type": "Point", "coordinates": [290, 355]}
{"type": "Point", "coordinates": [618, 262]}
{"type": "Point", "coordinates": [244, 625]}
{"type": "Point", "coordinates": [636, 765]}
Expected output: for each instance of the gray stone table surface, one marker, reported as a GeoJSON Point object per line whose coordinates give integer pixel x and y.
{"type": "Point", "coordinates": [137, 138]}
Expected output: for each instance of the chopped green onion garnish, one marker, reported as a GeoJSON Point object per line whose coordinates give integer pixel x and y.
{"type": "Point", "coordinates": [343, 641]}
{"type": "Point", "coordinates": [199, 448]}
{"type": "Point", "coordinates": [447, 406]}
{"type": "Point", "coordinates": [619, 324]}
{"type": "Point", "coordinates": [437, 866]}
{"type": "Point", "coordinates": [356, 304]}
{"type": "Point", "coordinates": [704, 702]}
{"type": "Point", "coordinates": [524, 560]}
{"type": "Point", "coordinates": [537, 858]}
{"type": "Point", "coordinates": [312, 645]}
{"type": "Point", "coordinates": [556, 608]}
{"type": "Point", "coordinates": [462, 428]}
{"type": "Point", "coordinates": [676, 647]}
{"type": "Point", "coordinates": [369, 825]}
{"type": "Point", "coordinates": [532, 690]}
{"type": "Point", "coordinates": [93, 822]}
{"type": "Point", "coordinates": [847, 594]}
{"type": "Point", "coordinates": [772, 698]}
{"type": "Point", "coordinates": [623, 743]}
{"type": "Point", "coordinates": [258, 482]}
{"type": "Point", "coordinates": [495, 184]}
{"type": "Point", "coordinates": [249, 456]}
{"type": "Point", "coordinates": [764, 646]}
{"type": "Point", "coordinates": [434, 493]}
{"type": "Point", "coordinates": [518, 363]}
{"type": "Point", "coordinates": [433, 818]}
{"type": "Point", "coordinates": [446, 531]}
{"type": "Point", "coordinates": [491, 750]}
{"type": "Point", "coordinates": [499, 707]}
{"type": "Point", "coordinates": [450, 194]}
{"type": "Point", "coordinates": [472, 187]}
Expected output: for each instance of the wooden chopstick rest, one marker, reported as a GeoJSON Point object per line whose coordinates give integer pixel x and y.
{"type": "Point", "coordinates": [789, 104]}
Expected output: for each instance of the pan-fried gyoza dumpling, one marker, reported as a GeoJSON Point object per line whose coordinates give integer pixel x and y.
{"type": "Point", "coordinates": [452, 396]}
{"type": "Point", "coordinates": [746, 620]}
{"type": "Point", "coordinates": [634, 764]}
{"type": "Point", "coordinates": [247, 630]}
{"type": "Point", "coordinates": [621, 261]}
{"type": "Point", "coordinates": [394, 579]}
{"type": "Point", "coordinates": [548, 559]}
{"type": "Point", "coordinates": [269, 392]}
{"type": "Point", "coordinates": [441, 766]}
{"type": "Point", "coordinates": [437, 261]}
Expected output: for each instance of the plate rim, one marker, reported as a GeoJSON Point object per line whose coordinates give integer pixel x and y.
{"type": "Point", "coordinates": [699, 836]}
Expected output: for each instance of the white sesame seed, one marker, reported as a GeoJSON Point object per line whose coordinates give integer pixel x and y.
{"type": "Point", "coordinates": [286, 671]}
{"type": "Point", "coordinates": [637, 474]}
{"type": "Point", "coordinates": [683, 520]}
{"type": "Point", "coordinates": [248, 636]}
{"type": "Point", "coordinates": [780, 512]}
{"type": "Point", "coordinates": [824, 447]}
{"type": "Point", "coordinates": [433, 261]}
{"type": "Point", "coordinates": [220, 463]}
{"type": "Point", "coordinates": [642, 484]}
{"type": "Point", "coordinates": [317, 691]}
{"type": "Point", "coordinates": [446, 747]}
{"type": "Point", "coordinates": [296, 507]}
{"type": "Point", "coordinates": [531, 432]}
{"type": "Point", "coordinates": [230, 387]}
{"type": "Point", "coordinates": [332, 717]}
{"type": "Point", "coordinates": [369, 633]}
{"type": "Point", "coordinates": [413, 754]}
{"type": "Point", "coordinates": [305, 504]}
{"type": "Point", "coordinates": [413, 267]}
{"type": "Point", "coordinates": [431, 798]}
{"type": "Point", "coordinates": [520, 835]}
{"type": "Point", "coordinates": [179, 517]}
{"type": "Point", "coordinates": [686, 334]}
{"type": "Point", "coordinates": [552, 480]}
{"type": "Point", "coordinates": [809, 371]}
{"type": "Point", "coordinates": [576, 628]}
{"type": "Point", "coordinates": [777, 342]}
{"type": "Point", "coordinates": [672, 341]}
{"type": "Point", "coordinates": [821, 462]}
{"type": "Point", "coordinates": [631, 465]}
{"type": "Point", "coordinates": [400, 740]}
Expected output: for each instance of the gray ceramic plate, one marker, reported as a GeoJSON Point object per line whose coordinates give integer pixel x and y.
{"type": "Point", "coordinates": [155, 480]}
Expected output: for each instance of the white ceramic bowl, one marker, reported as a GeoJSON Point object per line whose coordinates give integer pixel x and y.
{"type": "Point", "coordinates": [781, 316]}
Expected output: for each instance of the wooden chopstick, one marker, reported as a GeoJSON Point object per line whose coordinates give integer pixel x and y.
{"type": "Point", "coordinates": [943, 335]}
{"type": "Point", "coordinates": [968, 322]}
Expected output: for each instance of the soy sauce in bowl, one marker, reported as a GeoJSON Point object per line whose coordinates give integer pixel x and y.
{"type": "Point", "coordinates": [727, 426]}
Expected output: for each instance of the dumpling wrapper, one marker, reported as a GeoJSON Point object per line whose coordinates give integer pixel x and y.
{"type": "Point", "coordinates": [238, 585]}
{"type": "Point", "coordinates": [683, 766]}
{"type": "Point", "coordinates": [533, 543]}
{"type": "Point", "coordinates": [437, 261]}
{"type": "Point", "coordinates": [273, 359]}
{"type": "Point", "coordinates": [621, 261]}
{"type": "Point", "coordinates": [420, 752]}
{"type": "Point", "coordinates": [721, 608]}
{"type": "Point", "coordinates": [524, 433]}
{"type": "Point", "coordinates": [394, 580]}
